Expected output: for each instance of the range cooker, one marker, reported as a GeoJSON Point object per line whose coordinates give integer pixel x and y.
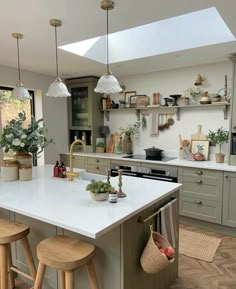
{"type": "Point", "coordinates": [162, 173]}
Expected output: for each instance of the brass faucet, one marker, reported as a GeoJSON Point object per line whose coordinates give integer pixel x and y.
{"type": "Point", "coordinates": [71, 175]}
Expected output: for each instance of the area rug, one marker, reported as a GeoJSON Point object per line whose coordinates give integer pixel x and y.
{"type": "Point", "coordinates": [197, 245]}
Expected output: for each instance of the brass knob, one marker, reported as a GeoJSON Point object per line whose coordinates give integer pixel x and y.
{"type": "Point", "coordinates": [226, 176]}
{"type": "Point", "coordinates": [198, 181]}
{"type": "Point", "coordinates": [198, 202]}
{"type": "Point", "coordinates": [97, 160]}
{"type": "Point", "coordinates": [199, 172]}
{"type": "Point", "coordinates": [97, 168]}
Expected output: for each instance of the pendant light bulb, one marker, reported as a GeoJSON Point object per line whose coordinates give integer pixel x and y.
{"type": "Point", "coordinates": [19, 91]}
{"type": "Point", "coordinates": [107, 83]}
{"type": "Point", "coordinates": [57, 88]}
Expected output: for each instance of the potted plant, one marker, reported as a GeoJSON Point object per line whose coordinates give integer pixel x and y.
{"type": "Point", "coordinates": [99, 190]}
{"type": "Point", "coordinates": [100, 147]}
{"type": "Point", "coordinates": [127, 134]}
{"type": "Point", "coordinates": [219, 137]}
{"type": "Point", "coordinates": [21, 139]}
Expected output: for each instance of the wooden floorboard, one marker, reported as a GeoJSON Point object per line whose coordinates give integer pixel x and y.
{"type": "Point", "coordinates": [219, 274]}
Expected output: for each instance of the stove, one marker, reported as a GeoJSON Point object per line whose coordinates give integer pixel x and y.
{"type": "Point", "coordinates": [144, 157]}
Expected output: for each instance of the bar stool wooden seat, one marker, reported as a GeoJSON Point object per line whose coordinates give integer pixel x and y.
{"type": "Point", "coordinates": [11, 231]}
{"type": "Point", "coordinates": [65, 254]}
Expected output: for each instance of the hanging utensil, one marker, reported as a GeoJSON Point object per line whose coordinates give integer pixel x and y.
{"type": "Point", "coordinates": [170, 120]}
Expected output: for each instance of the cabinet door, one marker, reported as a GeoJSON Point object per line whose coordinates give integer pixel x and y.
{"type": "Point", "coordinates": [229, 200]}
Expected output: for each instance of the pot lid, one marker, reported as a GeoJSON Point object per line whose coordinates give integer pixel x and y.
{"type": "Point", "coordinates": [153, 149]}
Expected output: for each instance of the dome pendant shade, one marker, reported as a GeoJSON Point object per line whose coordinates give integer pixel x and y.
{"type": "Point", "coordinates": [19, 91]}
{"type": "Point", "coordinates": [57, 88]}
{"type": "Point", "coordinates": [107, 83]}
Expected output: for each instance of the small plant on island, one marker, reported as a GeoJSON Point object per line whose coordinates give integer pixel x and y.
{"type": "Point", "coordinates": [98, 187]}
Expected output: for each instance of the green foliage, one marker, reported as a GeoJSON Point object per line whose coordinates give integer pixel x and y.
{"type": "Point", "coordinates": [5, 96]}
{"type": "Point", "coordinates": [98, 187]}
{"type": "Point", "coordinates": [31, 139]}
{"type": "Point", "coordinates": [130, 130]}
{"type": "Point", "coordinates": [100, 145]}
{"type": "Point", "coordinates": [218, 137]}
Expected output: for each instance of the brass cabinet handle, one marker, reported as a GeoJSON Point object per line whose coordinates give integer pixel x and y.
{"type": "Point", "coordinates": [97, 160]}
{"type": "Point", "coordinates": [226, 176]}
{"type": "Point", "coordinates": [198, 181]}
{"type": "Point", "coordinates": [234, 127]}
{"type": "Point", "coordinates": [198, 202]}
{"type": "Point", "coordinates": [97, 168]}
{"type": "Point", "coordinates": [199, 172]}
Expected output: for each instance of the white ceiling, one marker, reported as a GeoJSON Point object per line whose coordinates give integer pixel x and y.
{"type": "Point", "coordinates": [83, 19]}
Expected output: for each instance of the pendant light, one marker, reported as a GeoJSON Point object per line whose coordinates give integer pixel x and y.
{"type": "Point", "coordinates": [19, 91]}
{"type": "Point", "coordinates": [107, 83]}
{"type": "Point", "coordinates": [57, 88]}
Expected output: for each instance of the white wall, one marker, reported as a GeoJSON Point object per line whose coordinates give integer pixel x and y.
{"type": "Point", "coordinates": [174, 82]}
{"type": "Point", "coordinates": [53, 110]}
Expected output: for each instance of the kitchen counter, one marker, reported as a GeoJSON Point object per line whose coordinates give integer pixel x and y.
{"type": "Point", "coordinates": [45, 198]}
{"type": "Point", "coordinates": [211, 165]}
{"type": "Point", "coordinates": [58, 206]}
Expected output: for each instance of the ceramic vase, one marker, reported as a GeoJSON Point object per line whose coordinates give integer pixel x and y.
{"type": "Point", "coordinates": [23, 158]}
{"type": "Point", "coordinates": [127, 146]}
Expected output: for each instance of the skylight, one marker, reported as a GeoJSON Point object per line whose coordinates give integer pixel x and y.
{"type": "Point", "coordinates": [192, 30]}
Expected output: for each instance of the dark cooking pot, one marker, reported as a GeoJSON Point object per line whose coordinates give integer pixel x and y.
{"type": "Point", "coordinates": [153, 152]}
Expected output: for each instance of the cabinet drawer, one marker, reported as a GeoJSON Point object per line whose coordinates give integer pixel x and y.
{"type": "Point", "coordinates": [201, 209]}
{"type": "Point", "coordinates": [97, 169]}
{"type": "Point", "coordinates": [100, 161]}
{"type": "Point", "coordinates": [200, 173]}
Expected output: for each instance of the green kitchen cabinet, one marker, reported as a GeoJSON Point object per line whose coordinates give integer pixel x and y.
{"type": "Point", "coordinates": [85, 117]}
{"type": "Point", "coordinates": [201, 194]}
{"type": "Point", "coordinates": [78, 161]}
{"type": "Point", "coordinates": [98, 165]}
{"type": "Point", "coordinates": [229, 199]}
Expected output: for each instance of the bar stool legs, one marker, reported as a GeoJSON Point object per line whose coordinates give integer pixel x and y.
{"type": "Point", "coordinates": [39, 277]}
{"type": "Point", "coordinates": [29, 257]}
{"type": "Point", "coordinates": [92, 275]}
{"type": "Point", "coordinates": [3, 266]}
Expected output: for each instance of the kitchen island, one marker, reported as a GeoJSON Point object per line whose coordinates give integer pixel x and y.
{"type": "Point", "coordinates": [57, 206]}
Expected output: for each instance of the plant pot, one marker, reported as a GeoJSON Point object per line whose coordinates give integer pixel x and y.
{"type": "Point", "coordinates": [198, 157]}
{"type": "Point", "coordinates": [99, 197]}
{"type": "Point", "coordinates": [23, 158]}
{"type": "Point", "coordinates": [127, 146]}
{"type": "Point", "coordinates": [100, 149]}
{"type": "Point", "coordinates": [219, 158]}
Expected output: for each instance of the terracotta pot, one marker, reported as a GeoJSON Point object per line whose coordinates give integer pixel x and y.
{"type": "Point", "coordinates": [198, 157]}
{"type": "Point", "coordinates": [100, 149]}
{"type": "Point", "coordinates": [219, 158]}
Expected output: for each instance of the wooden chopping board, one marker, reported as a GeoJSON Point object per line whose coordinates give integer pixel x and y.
{"type": "Point", "coordinates": [198, 135]}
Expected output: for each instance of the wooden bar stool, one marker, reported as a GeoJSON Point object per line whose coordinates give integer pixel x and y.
{"type": "Point", "coordinates": [65, 254]}
{"type": "Point", "coordinates": [11, 231]}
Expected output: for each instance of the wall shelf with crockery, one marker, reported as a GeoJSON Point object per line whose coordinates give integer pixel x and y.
{"type": "Point", "coordinates": [137, 111]}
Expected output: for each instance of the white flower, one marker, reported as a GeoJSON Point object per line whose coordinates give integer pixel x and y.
{"type": "Point", "coordinates": [22, 144]}
{"type": "Point", "coordinates": [9, 135]}
{"type": "Point", "coordinates": [16, 142]}
{"type": "Point", "coordinates": [24, 135]}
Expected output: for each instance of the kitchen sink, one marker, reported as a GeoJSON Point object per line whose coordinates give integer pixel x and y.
{"type": "Point", "coordinates": [89, 176]}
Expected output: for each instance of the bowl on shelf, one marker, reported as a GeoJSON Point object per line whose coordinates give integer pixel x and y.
{"type": "Point", "coordinates": [175, 97]}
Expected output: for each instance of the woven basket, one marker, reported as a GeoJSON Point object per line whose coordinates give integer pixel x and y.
{"type": "Point", "coordinates": [152, 260]}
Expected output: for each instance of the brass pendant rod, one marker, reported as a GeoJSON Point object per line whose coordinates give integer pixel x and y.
{"type": "Point", "coordinates": [18, 57]}
{"type": "Point", "coordinates": [107, 48]}
{"type": "Point", "coordinates": [56, 51]}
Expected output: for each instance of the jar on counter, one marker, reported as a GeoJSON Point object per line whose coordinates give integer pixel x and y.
{"type": "Point", "coordinates": [25, 173]}
{"type": "Point", "coordinates": [23, 158]}
{"type": "Point", "coordinates": [9, 170]}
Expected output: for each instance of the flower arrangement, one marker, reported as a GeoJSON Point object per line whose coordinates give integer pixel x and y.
{"type": "Point", "coordinates": [16, 137]}
{"type": "Point", "coordinates": [130, 130]}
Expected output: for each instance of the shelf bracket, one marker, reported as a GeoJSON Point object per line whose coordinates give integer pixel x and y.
{"type": "Point", "coordinates": [138, 114]}
{"type": "Point", "coordinates": [106, 112]}
{"type": "Point", "coordinates": [178, 113]}
{"type": "Point", "coordinates": [225, 109]}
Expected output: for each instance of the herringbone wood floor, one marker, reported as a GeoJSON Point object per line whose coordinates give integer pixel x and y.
{"type": "Point", "coordinates": [220, 274]}
{"type": "Point", "coordinates": [196, 274]}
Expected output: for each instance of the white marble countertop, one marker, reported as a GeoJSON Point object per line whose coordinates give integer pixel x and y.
{"type": "Point", "coordinates": [68, 205]}
{"type": "Point", "coordinates": [211, 165]}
